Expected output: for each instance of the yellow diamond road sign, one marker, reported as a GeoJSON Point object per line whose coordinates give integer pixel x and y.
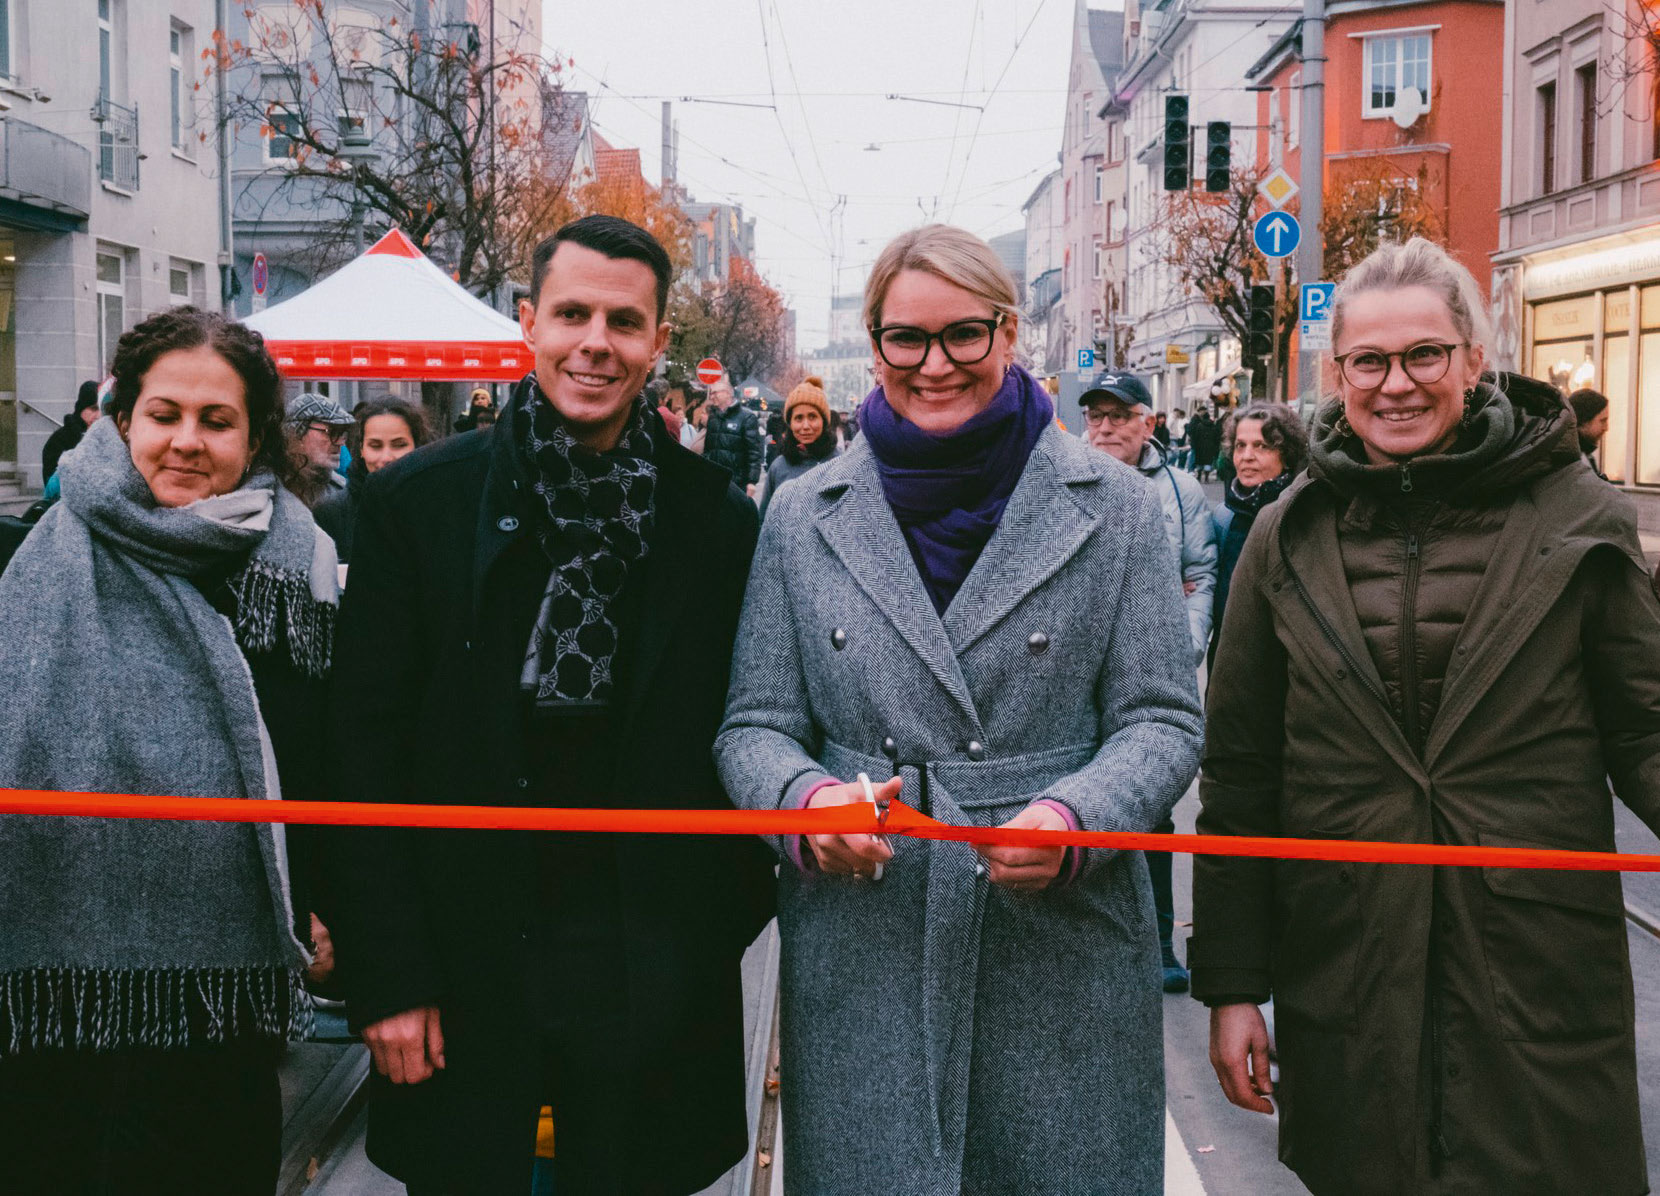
{"type": "Point", "coordinates": [1278, 188]}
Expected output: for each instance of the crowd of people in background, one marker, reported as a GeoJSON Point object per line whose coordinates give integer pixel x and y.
{"type": "Point", "coordinates": [1419, 615]}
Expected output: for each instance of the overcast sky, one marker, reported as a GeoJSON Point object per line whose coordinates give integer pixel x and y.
{"type": "Point", "coordinates": [832, 66]}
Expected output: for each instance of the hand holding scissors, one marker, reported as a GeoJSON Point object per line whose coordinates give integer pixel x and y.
{"type": "Point", "coordinates": [854, 855]}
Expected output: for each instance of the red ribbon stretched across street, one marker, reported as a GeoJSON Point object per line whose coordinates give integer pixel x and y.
{"type": "Point", "coordinates": [858, 818]}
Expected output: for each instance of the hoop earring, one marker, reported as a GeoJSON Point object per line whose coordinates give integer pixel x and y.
{"type": "Point", "coordinates": [1341, 424]}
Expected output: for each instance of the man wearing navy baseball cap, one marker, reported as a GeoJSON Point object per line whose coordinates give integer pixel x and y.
{"type": "Point", "coordinates": [1118, 416]}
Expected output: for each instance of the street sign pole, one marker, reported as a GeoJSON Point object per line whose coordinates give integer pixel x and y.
{"type": "Point", "coordinates": [1311, 255]}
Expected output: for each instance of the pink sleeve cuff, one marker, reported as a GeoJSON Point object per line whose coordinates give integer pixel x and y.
{"type": "Point", "coordinates": [795, 846]}
{"type": "Point", "coordinates": [1073, 859]}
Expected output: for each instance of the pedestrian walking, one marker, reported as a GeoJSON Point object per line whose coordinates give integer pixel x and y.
{"type": "Point", "coordinates": [168, 630]}
{"type": "Point", "coordinates": [1591, 415]}
{"type": "Point", "coordinates": [385, 430]}
{"type": "Point", "coordinates": [1118, 420]}
{"type": "Point", "coordinates": [532, 584]}
{"type": "Point", "coordinates": [1178, 456]}
{"type": "Point", "coordinates": [1204, 437]}
{"type": "Point", "coordinates": [1161, 430]}
{"type": "Point", "coordinates": [732, 437]}
{"type": "Point", "coordinates": [1268, 448]}
{"type": "Point", "coordinates": [808, 439]}
{"type": "Point", "coordinates": [314, 430]}
{"type": "Point", "coordinates": [1443, 634]}
{"type": "Point", "coordinates": [69, 435]}
{"type": "Point", "coordinates": [927, 610]}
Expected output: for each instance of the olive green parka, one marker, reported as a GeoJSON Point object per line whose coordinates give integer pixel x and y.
{"type": "Point", "coordinates": [1462, 651]}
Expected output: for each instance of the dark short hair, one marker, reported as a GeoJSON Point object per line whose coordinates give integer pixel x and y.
{"type": "Point", "coordinates": [615, 238]}
{"type": "Point", "coordinates": [1587, 405]}
{"type": "Point", "coordinates": [242, 349]}
{"type": "Point", "coordinates": [1282, 431]}
{"type": "Point", "coordinates": [384, 404]}
{"type": "Point", "coordinates": [87, 396]}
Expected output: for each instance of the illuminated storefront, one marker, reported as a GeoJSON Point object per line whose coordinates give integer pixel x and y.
{"type": "Point", "coordinates": [1593, 319]}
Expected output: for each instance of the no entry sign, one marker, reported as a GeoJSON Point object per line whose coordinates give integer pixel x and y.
{"type": "Point", "coordinates": [709, 371]}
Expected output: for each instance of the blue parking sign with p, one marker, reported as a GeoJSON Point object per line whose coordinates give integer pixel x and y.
{"type": "Point", "coordinates": [1317, 300]}
{"type": "Point", "coordinates": [1086, 359]}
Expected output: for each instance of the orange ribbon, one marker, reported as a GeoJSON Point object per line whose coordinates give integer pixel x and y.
{"type": "Point", "coordinates": [860, 818]}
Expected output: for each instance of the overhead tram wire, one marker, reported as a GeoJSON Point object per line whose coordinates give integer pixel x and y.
{"type": "Point", "coordinates": [1013, 52]}
{"type": "Point", "coordinates": [713, 153]}
{"type": "Point", "coordinates": [962, 96]}
{"type": "Point", "coordinates": [772, 88]}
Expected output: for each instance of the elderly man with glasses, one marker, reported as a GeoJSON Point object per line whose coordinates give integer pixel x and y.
{"type": "Point", "coordinates": [315, 428]}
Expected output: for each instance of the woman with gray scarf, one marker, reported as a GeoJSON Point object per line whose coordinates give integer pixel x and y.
{"type": "Point", "coordinates": [168, 625]}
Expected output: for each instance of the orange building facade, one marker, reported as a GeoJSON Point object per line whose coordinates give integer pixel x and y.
{"type": "Point", "coordinates": [1411, 116]}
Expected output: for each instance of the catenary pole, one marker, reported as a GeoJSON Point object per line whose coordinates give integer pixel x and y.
{"type": "Point", "coordinates": [1311, 251]}
{"type": "Point", "coordinates": [227, 262]}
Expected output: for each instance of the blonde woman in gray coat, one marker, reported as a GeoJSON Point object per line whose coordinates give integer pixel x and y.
{"type": "Point", "coordinates": [980, 614]}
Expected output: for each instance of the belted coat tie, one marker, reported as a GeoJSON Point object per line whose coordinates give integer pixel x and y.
{"type": "Point", "coordinates": [941, 1034]}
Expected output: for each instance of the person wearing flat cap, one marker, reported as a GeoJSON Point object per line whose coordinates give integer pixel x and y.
{"type": "Point", "coordinates": [1118, 417]}
{"type": "Point", "coordinates": [314, 428]}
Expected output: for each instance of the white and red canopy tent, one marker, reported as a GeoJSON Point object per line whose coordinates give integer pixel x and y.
{"type": "Point", "coordinates": [392, 314]}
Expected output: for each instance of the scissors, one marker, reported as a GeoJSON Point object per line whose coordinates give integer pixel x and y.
{"type": "Point", "coordinates": [882, 807]}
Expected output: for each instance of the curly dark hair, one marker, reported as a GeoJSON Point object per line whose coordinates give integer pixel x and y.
{"type": "Point", "coordinates": [242, 349]}
{"type": "Point", "coordinates": [1282, 431]}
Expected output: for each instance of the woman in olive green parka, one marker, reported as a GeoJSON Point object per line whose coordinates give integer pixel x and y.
{"type": "Point", "coordinates": [1444, 634]}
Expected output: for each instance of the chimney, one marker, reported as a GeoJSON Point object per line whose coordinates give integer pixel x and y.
{"type": "Point", "coordinates": [667, 162]}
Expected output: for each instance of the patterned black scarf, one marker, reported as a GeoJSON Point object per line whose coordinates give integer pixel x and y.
{"type": "Point", "coordinates": [599, 515]}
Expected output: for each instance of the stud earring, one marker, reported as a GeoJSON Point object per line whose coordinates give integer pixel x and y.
{"type": "Point", "coordinates": [1469, 407]}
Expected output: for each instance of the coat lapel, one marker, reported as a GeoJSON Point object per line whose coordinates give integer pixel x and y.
{"type": "Point", "coordinates": [858, 525]}
{"type": "Point", "coordinates": [1042, 527]}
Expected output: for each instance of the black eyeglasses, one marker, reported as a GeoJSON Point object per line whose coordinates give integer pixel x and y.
{"type": "Point", "coordinates": [1425, 363]}
{"type": "Point", "coordinates": [1116, 416]}
{"type": "Point", "coordinates": [964, 342]}
{"type": "Point", "coordinates": [335, 432]}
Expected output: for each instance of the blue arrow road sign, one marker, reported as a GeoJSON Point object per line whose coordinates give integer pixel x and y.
{"type": "Point", "coordinates": [1086, 359]}
{"type": "Point", "coordinates": [1276, 234]}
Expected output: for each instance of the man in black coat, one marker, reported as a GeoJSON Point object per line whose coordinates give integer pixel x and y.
{"type": "Point", "coordinates": [733, 438]}
{"type": "Point", "coordinates": [522, 608]}
{"type": "Point", "coordinates": [74, 427]}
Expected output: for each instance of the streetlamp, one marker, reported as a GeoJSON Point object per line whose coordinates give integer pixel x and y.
{"type": "Point", "coordinates": [357, 149]}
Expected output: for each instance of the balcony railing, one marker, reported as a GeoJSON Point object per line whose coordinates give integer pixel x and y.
{"type": "Point", "coordinates": [117, 143]}
{"type": "Point", "coordinates": [45, 172]}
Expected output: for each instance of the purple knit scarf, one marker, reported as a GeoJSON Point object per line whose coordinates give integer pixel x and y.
{"type": "Point", "coordinates": [948, 492]}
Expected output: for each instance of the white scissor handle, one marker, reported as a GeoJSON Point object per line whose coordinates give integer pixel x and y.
{"type": "Point", "coordinates": [870, 796]}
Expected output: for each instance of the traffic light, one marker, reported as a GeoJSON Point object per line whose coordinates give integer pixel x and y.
{"type": "Point", "coordinates": [1178, 145]}
{"type": "Point", "coordinates": [1218, 154]}
{"type": "Point", "coordinates": [1262, 321]}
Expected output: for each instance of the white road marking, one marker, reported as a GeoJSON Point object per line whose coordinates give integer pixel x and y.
{"type": "Point", "coordinates": [1181, 1177]}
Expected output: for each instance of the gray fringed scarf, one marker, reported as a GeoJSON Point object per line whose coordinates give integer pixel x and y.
{"type": "Point", "coordinates": [117, 675]}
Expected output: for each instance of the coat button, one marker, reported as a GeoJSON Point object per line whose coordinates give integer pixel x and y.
{"type": "Point", "coordinates": [838, 639]}
{"type": "Point", "coordinates": [1037, 643]}
{"type": "Point", "coordinates": [507, 523]}
{"type": "Point", "coordinates": [890, 749]}
{"type": "Point", "coordinates": [980, 869]}
{"type": "Point", "coordinates": [523, 782]}
{"type": "Point", "coordinates": [976, 750]}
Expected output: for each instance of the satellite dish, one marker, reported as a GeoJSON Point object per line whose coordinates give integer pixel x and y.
{"type": "Point", "coordinates": [1409, 106]}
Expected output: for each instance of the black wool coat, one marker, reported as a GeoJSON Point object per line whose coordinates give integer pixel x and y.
{"type": "Point", "coordinates": [447, 577]}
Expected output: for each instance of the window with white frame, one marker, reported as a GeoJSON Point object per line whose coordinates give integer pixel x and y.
{"type": "Point", "coordinates": [1293, 109]}
{"type": "Point", "coordinates": [1394, 62]}
{"type": "Point", "coordinates": [1097, 259]}
{"type": "Point", "coordinates": [178, 282]}
{"type": "Point", "coordinates": [112, 300]}
{"type": "Point", "coordinates": [1098, 183]}
{"type": "Point", "coordinates": [282, 124]}
{"type": "Point", "coordinates": [176, 55]}
{"type": "Point", "coordinates": [1274, 140]}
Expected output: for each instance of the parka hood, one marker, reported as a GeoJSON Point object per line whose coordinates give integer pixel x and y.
{"type": "Point", "coordinates": [1518, 430]}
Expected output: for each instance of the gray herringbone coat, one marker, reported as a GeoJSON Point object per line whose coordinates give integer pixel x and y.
{"type": "Point", "coordinates": [942, 1035]}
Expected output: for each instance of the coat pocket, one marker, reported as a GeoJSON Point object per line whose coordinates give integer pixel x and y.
{"type": "Point", "coordinates": [1556, 949]}
{"type": "Point", "coordinates": [1317, 940]}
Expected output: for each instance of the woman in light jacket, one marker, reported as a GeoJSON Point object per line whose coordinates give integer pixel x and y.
{"type": "Point", "coordinates": [981, 614]}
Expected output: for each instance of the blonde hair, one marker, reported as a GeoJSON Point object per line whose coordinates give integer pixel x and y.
{"type": "Point", "coordinates": [953, 254]}
{"type": "Point", "coordinates": [1419, 263]}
